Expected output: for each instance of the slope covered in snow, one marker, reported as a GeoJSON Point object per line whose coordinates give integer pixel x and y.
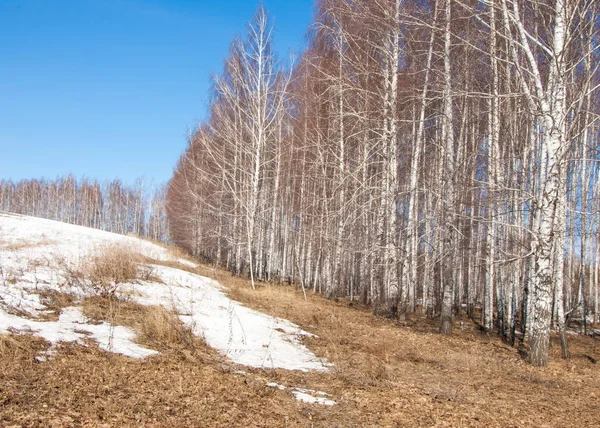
{"type": "Point", "coordinates": [35, 255]}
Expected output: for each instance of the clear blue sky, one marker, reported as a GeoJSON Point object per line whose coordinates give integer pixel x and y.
{"type": "Point", "coordinates": [111, 88]}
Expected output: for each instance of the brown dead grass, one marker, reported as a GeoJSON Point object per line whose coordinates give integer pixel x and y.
{"type": "Point", "coordinates": [384, 375]}
{"type": "Point", "coordinates": [87, 387]}
{"type": "Point", "coordinates": [174, 251]}
{"type": "Point", "coordinates": [390, 375]}
{"type": "Point", "coordinates": [177, 255]}
{"type": "Point", "coordinates": [157, 327]}
{"type": "Point", "coordinates": [102, 273]}
{"type": "Point", "coordinates": [23, 244]}
{"type": "Point", "coordinates": [54, 302]}
{"type": "Point", "coordinates": [109, 268]}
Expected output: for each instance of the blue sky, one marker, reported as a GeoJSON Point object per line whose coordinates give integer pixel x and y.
{"type": "Point", "coordinates": [111, 88]}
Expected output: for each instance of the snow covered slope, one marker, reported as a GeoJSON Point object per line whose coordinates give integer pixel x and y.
{"type": "Point", "coordinates": [33, 256]}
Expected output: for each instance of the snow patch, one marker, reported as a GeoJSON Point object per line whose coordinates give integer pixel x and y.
{"type": "Point", "coordinates": [311, 399]}
{"type": "Point", "coordinates": [309, 396]}
{"type": "Point", "coordinates": [34, 253]}
{"type": "Point", "coordinates": [276, 385]}
{"type": "Point", "coordinates": [245, 336]}
{"type": "Point", "coordinates": [72, 326]}
{"type": "Point", "coordinates": [47, 238]}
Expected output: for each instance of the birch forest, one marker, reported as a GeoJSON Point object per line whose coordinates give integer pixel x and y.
{"type": "Point", "coordinates": [434, 157]}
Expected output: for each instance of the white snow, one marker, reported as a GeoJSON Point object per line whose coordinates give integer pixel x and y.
{"type": "Point", "coordinates": [73, 326]}
{"type": "Point", "coordinates": [311, 399]}
{"type": "Point", "coordinates": [276, 385]}
{"type": "Point", "coordinates": [34, 252]}
{"type": "Point", "coordinates": [305, 395]}
{"type": "Point", "coordinates": [47, 238]}
{"type": "Point", "coordinates": [245, 336]}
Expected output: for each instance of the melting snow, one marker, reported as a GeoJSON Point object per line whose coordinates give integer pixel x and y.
{"type": "Point", "coordinates": [307, 398]}
{"type": "Point", "coordinates": [245, 336]}
{"type": "Point", "coordinates": [30, 248]}
{"type": "Point", "coordinates": [306, 395]}
{"type": "Point", "coordinates": [72, 326]}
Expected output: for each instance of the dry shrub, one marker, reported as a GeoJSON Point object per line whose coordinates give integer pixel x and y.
{"type": "Point", "coordinates": [162, 329]}
{"type": "Point", "coordinates": [110, 268]}
{"type": "Point", "coordinates": [102, 273]}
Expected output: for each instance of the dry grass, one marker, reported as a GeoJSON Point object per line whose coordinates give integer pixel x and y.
{"type": "Point", "coordinates": [109, 268]}
{"type": "Point", "coordinates": [384, 374]}
{"type": "Point", "coordinates": [113, 266]}
{"type": "Point", "coordinates": [174, 251]}
{"type": "Point", "coordinates": [54, 301]}
{"type": "Point", "coordinates": [176, 254]}
{"type": "Point", "coordinates": [10, 276]}
{"type": "Point", "coordinates": [157, 327]}
{"type": "Point", "coordinates": [86, 387]}
{"type": "Point", "coordinates": [106, 270]}
{"type": "Point", "coordinates": [389, 375]}
{"type": "Point", "coordinates": [162, 327]}
{"type": "Point", "coordinates": [17, 352]}
{"type": "Point", "coordinates": [23, 244]}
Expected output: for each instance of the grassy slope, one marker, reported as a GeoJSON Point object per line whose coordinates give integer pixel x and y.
{"type": "Point", "coordinates": [384, 375]}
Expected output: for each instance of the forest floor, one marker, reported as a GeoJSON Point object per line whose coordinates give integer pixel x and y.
{"type": "Point", "coordinates": [382, 373]}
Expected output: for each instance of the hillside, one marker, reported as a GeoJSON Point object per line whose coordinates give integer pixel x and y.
{"type": "Point", "coordinates": [99, 329]}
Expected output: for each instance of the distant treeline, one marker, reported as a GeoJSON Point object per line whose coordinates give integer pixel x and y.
{"type": "Point", "coordinates": [112, 206]}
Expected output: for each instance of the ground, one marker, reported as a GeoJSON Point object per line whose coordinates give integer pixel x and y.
{"type": "Point", "coordinates": [382, 373]}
